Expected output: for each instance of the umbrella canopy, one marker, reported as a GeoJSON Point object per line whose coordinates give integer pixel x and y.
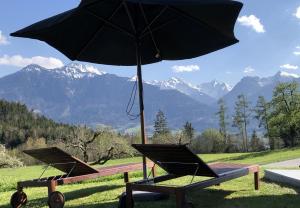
{"type": "Point", "coordinates": [136, 32]}
{"type": "Point", "coordinates": [106, 31]}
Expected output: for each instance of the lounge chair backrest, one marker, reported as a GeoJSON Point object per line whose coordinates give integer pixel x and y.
{"type": "Point", "coordinates": [175, 159]}
{"type": "Point", "coordinates": [61, 160]}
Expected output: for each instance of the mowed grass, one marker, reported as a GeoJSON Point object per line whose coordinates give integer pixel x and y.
{"type": "Point", "coordinates": [104, 192]}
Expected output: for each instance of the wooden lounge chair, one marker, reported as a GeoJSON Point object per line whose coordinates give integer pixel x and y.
{"type": "Point", "coordinates": [74, 171]}
{"type": "Point", "coordinates": [178, 161]}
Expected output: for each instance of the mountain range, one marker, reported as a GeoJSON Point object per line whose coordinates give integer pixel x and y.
{"type": "Point", "coordinates": [206, 93]}
{"type": "Point", "coordinates": [253, 87]}
{"type": "Point", "coordinates": [80, 94]}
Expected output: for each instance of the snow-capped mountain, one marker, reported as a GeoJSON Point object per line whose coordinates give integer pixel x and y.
{"type": "Point", "coordinates": [185, 88]}
{"type": "Point", "coordinates": [215, 89]}
{"type": "Point", "coordinates": [78, 94]}
{"type": "Point", "coordinates": [72, 70]}
{"type": "Point", "coordinates": [252, 87]}
{"type": "Point", "coordinates": [175, 83]}
{"type": "Point", "coordinates": [205, 93]}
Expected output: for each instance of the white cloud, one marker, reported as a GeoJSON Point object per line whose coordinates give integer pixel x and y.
{"type": "Point", "coordinates": [187, 68]}
{"type": "Point", "coordinates": [19, 61]}
{"type": "Point", "coordinates": [3, 39]}
{"type": "Point", "coordinates": [249, 70]}
{"type": "Point", "coordinates": [296, 53]}
{"type": "Point", "coordinates": [289, 66]}
{"type": "Point", "coordinates": [253, 22]}
{"type": "Point", "coordinates": [297, 14]}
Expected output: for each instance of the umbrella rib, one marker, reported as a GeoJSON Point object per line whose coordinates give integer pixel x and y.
{"type": "Point", "coordinates": [130, 17]}
{"type": "Point", "coordinates": [150, 31]}
{"type": "Point", "coordinates": [98, 31]}
{"type": "Point", "coordinates": [157, 28]}
{"type": "Point", "coordinates": [185, 15]}
{"type": "Point", "coordinates": [111, 24]}
{"type": "Point", "coordinates": [154, 19]}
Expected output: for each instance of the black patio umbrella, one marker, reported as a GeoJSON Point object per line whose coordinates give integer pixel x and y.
{"type": "Point", "coordinates": [137, 32]}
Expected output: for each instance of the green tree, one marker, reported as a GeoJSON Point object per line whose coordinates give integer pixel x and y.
{"type": "Point", "coordinates": [213, 140]}
{"type": "Point", "coordinates": [262, 113]}
{"type": "Point", "coordinates": [284, 120]}
{"type": "Point", "coordinates": [188, 131]}
{"type": "Point", "coordinates": [223, 119]}
{"type": "Point", "coordinates": [255, 143]}
{"type": "Point", "coordinates": [160, 125]}
{"type": "Point", "coordinates": [241, 118]}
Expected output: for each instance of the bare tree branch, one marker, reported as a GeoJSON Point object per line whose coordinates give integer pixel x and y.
{"type": "Point", "coordinates": [95, 135]}
{"type": "Point", "coordinates": [103, 159]}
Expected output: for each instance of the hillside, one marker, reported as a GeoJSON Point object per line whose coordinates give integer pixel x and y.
{"type": "Point", "coordinates": [17, 124]}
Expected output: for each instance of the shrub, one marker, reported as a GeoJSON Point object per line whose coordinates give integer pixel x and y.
{"type": "Point", "coordinates": [7, 161]}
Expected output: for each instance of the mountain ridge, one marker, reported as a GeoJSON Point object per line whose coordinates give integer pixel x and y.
{"type": "Point", "coordinates": [97, 99]}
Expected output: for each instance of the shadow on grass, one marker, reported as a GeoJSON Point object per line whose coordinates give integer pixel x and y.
{"type": "Point", "coordinates": [248, 156]}
{"type": "Point", "coordinates": [207, 198]}
{"type": "Point", "coordinates": [215, 199]}
{"type": "Point", "coordinates": [253, 155]}
{"type": "Point", "coordinates": [71, 195]}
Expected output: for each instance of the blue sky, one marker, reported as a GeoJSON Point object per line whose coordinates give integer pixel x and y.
{"type": "Point", "coordinates": [268, 30]}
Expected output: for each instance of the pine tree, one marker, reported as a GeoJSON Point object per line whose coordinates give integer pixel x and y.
{"type": "Point", "coordinates": [160, 125]}
{"type": "Point", "coordinates": [188, 131]}
{"type": "Point", "coordinates": [262, 114]}
{"type": "Point", "coordinates": [222, 119]}
{"type": "Point", "coordinates": [255, 142]}
{"type": "Point", "coordinates": [241, 118]}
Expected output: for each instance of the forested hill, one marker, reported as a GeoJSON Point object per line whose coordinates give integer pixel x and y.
{"type": "Point", "coordinates": [17, 124]}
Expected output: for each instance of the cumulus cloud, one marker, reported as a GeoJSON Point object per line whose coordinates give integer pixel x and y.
{"type": "Point", "coordinates": [249, 70]}
{"type": "Point", "coordinates": [19, 61]}
{"type": "Point", "coordinates": [297, 14]}
{"type": "Point", "coordinates": [3, 39]}
{"type": "Point", "coordinates": [253, 22]}
{"type": "Point", "coordinates": [289, 66]}
{"type": "Point", "coordinates": [186, 68]}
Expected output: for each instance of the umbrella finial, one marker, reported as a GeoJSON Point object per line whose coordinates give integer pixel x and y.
{"type": "Point", "coordinates": [157, 55]}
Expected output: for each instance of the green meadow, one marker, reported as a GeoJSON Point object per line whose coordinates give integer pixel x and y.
{"type": "Point", "coordinates": [104, 192]}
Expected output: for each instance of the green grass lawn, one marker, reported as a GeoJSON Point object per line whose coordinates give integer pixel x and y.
{"type": "Point", "coordinates": [104, 192]}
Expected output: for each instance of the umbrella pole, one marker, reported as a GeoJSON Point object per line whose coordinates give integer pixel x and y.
{"type": "Point", "coordinates": [141, 101]}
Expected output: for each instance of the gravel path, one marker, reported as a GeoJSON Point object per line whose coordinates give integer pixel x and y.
{"type": "Point", "coordinates": [285, 164]}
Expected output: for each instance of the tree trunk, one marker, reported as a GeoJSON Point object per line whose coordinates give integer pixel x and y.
{"type": "Point", "coordinates": [85, 156]}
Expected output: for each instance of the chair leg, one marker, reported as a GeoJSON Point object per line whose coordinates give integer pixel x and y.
{"type": "Point", "coordinates": [256, 180]}
{"type": "Point", "coordinates": [129, 198]}
{"type": "Point", "coordinates": [180, 199]}
{"type": "Point", "coordinates": [126, 177]}
{"type": "Point", "coordinates": [153, 170]}
{"type": "Point", "coordinates": [51, 187]}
